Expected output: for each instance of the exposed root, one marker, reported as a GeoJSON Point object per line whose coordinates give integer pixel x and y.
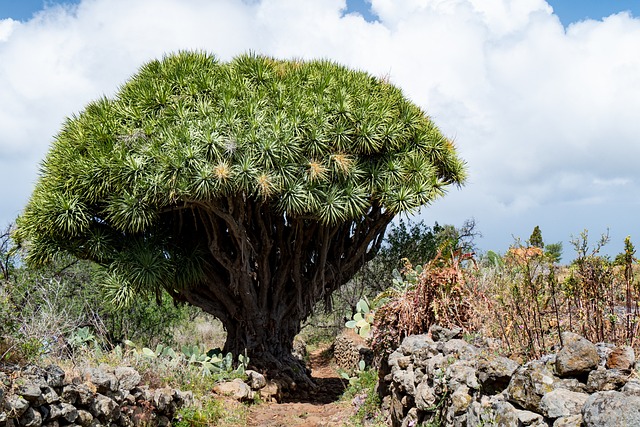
{"type": "Point", "coordinates": [289, 369]}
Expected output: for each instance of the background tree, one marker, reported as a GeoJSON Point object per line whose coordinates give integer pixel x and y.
{"type": "Point", "coordinates": [535, 239]}
{"type": "Point", "coordinates": [251, 189]}
{"type": "Point", "coordinates": [7, 258]}
{"type": "Point", "coordinates": [7, 266]}
{"type": "Point", "coordinates": [419, 244]}
{"type": "Point", "coordinates": [553, 251]}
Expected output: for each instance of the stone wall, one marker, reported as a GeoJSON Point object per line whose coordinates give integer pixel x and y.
{"type": "Point", "coordinates": [34, 397]}
{"type": "Point", "coordinates": [442, 379]}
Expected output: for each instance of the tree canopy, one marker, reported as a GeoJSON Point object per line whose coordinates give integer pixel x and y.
{"type": "Point", "coordinates": [245, 175]}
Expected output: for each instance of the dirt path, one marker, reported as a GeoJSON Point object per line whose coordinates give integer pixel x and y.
{"type": "Point", "coordinates": [321, 408]}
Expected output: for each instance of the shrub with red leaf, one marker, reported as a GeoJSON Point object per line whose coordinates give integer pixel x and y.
{"type": "Point", "coordinates": [438, 296]}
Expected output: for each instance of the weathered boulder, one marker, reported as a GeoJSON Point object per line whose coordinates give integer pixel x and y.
{"type": "Point", "coordinates": [404, 362]}
{"type": "Point", "coordinates": [103, 381]}
{"type": "Point", "coordinates": [622, 358]}
{"type": "Point", "coordinates": [439, 333]}
{"type": "Point", "coordinates": [425, 397]}
{"type": "Point", "coordinates": [562, 403]}
{"type": "Point", "coordinates": [577, 356]}
{"type": "Point", "coordinates": [183, 398]}
{"type": "Point", "coordinates": [15, 405]}
{"type": "Point", "coordinates": [31, 418]}
{"type": "Point", "coordinates": [462, 373]}
{"type": "Point", "coordinates": [460, 400]}
{"type": "Point", "coordinates": [256, 379]}
{"type": "Point", "coordinates": [163, 399]}
{"type": "Point", "coordinates": [632, 387]}
{"type": "Point", "coordinates": [127, 377]}
{"type": "Point", "coordinates": [411, 419]}
{"type": "Point", "coordinates": [604, 350]}
{"type": "Point", "coordinates": [392, 360]}
{"type": "Point", "coordinates": [31, 392]}
{"type": "Point", "coordinates": [104, 408]}
{"type": "Point", "coordinates": [271, 392]}
{"type": "Point", "coordinates": [413, 343]}
{"type": "Point", "coordinates": [457, 348]}
{"type": "Point", "coordinates": [572, 384]}
{"type": "Point", "coordinates": [479, 414]}
{"type": "Point", "coordinates": [84, 418]}
{"type": "Point", "coordinates": [528, 418]}
{"type": "Point", "coordinates": [611, 409]}
{"type": "Point", "coordinates": [79, 394]}
{"type": "Point", "coordinates": [299, 348]}
{"type": "Point", "coordinates": [529, 383]}
{"type": "Point", "coordinates": [494, 372]}
{"type": "Point", "coordinates": [433, 366]}
{"type": "Point", "coordinates": [405, 380]}
{"type": "Point", "coordinates": [62, 410]}
{"type": "Point", "coordinates": [570, 421]}
{"type": "Point", "coordinates": [49, 395]}
{"type": "Point", "coordinates": [505, 414]}
{"type": "Point", "coordinates": [236, 389]}
{"type": "Point", "coordinates": [606, 379]}
{"type": "Point", "coordinates": [55, 376]}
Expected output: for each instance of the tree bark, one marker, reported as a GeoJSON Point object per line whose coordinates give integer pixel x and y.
{"type": "Point", "coordinates": [265, 272]}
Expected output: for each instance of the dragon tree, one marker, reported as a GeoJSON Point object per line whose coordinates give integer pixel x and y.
{"type": "Point", "coordinates": [252, 188]}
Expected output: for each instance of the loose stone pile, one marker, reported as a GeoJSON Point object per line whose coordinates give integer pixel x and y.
{"type": "Point", "coordinates": [438, 377]}
{"type": "Point", "coordinates": [37, 397]}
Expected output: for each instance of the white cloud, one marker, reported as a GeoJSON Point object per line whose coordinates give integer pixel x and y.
{"type": "Point", "coordinates": [6, 28]}
{"type": "Point", "coordinates": [546, 117]}
{"type": "Point", "coordinates": [614, 182]}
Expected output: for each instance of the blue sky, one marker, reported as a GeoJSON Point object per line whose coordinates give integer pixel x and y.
{"type": "Point", "coordinates": [577, 10]}
{"type": "Point", "coordinates": [541, 103]}
{"type": "Point", "coordinates": [567, 10]}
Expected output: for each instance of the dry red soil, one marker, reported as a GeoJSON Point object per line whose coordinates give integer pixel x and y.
{"type": "Point", "coordinates": [319, 408]}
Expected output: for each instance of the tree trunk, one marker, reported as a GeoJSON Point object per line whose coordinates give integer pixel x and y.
{"type": "Point", "coordinates": [264, 272]}
{"type": "Point", "coordinates": [266, 337]}
{"type": "Point", "coordinates": [269, 345]}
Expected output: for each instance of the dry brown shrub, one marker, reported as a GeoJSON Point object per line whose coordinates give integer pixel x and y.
{"type": "Point", "coordinates": [531, 300]}
{"type": "Point", "coordinates": [440, 296]}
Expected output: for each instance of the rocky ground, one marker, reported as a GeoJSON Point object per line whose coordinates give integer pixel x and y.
{"type": "Point", "coordinates": [439, 379]}
{"type": "Point", "coordinates": [36, 397]}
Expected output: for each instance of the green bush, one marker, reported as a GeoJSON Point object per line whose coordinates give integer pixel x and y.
{"type": "Point", "coordinates": [59, 301]}
{"type": "Point", "coordinates": [209, 414]}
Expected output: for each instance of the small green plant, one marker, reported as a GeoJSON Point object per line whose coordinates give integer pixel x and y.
{"type": "Point", "coordinates": [362, 319]}
{"type": "Point", "coordinates": [243, 363]}
{"type": "Point", "coordinates": [362, 393]}
{"type": "Point", "coordinates": [82, 337]}
{"type": "Point", "coordinates": [353, 378]}
{"type": "Point", "coordinates": [8, 322]}
{"type": "Point", "coordinates": [407, 278]}
{"type": "Point", "coordinates": [209, 414]}
{"type": "Point", "coordinates": [209, 362]}
{"type": "Point", "coordinates": [493, 259]}
{"type": "Point", "coordinates": [31, 348]}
